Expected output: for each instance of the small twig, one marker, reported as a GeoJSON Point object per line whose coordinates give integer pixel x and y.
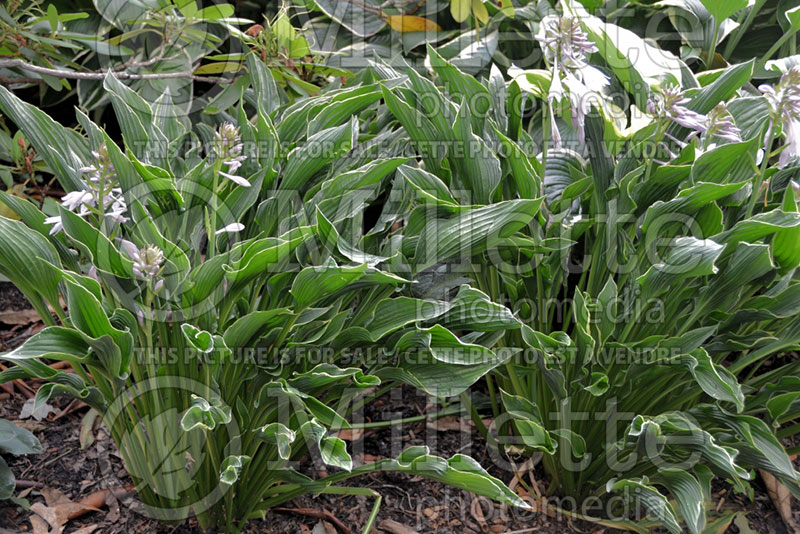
{"type": "Point", "coordinates": [25, 484]}
{"type": "Point", "coordinates": [72, 75]}
{"type": "Point", "coordinates": [318, 514]}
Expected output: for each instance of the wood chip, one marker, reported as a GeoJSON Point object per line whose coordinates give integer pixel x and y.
{"type": "Point", "coordinates": [394, 527]}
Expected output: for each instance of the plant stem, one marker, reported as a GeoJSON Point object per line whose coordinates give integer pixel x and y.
{"type": "Point", "coordinates": [762, 172]}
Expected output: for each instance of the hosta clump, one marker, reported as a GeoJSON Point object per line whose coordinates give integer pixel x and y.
{"type": "Point", "coordinates": [653, 308]}
{"type": "Point", "coordinates": [209, 322]}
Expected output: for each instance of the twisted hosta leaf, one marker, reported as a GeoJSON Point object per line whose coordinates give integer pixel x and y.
{"type": "Point", "coordinates": [231, 469]}
{"type": "Point", "coordinates": [281, 436]}
{"type": "Point", "coordinates": [688, 258]}
{"type": "Point", "coordinates": [715, 380]}
{"type": "Point", "coordinates": [689, 494]}
{"type": "Point", "coordinates": [333, 451]}
{"type": "Point", "coordinates": [205, 414]}
{"type": "Point", "coordinates": [459, 471]}
{"type": "Point", "coordinates": [653, 501]}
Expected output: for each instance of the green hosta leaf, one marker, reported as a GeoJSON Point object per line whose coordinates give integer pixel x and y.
{"type": "Point", "coordinates": [472, 232]}
{"type": "Point", "coordinates": [333, 451]}
{"type": "Point", "coordinates": [231, 468]}
{"type": "Point", "coordinates": [204, 414]}
{"type": "Point", "coordinates": [688, 258]}
{"type": "Point", "coordinates": [463, 87]}
{"type": "Point", "coordinates": [7, 481]}
{"type": "Point", "coordinates": [716, 381]}
{"type": "Point", "coordinates": [528, 422]}
{"type": "Point", "coordinates": [330, 236]}
{"type": "Point", "coordinates": [94, 244]}
{"type": "Point", "coordinates": [112, 345]}
{"type": "Point", "coordinates": [786, 244]}
{"type": "Point", "coordinates": [756, 443]}
{"type": "Point", "coordinates": [459, 471]}
{"type": "Point", "coordinates": [688, 202]}
{"type": "Point", "coordinates": [246, 330]}
{"type": "Point", "coordinates": [16, 440]}
{"type": "Point", "coordinates": [264, 256]}
{"type": "Point", "coordinates": [23, 253]}
{"type": "Point", "coordinates": [199, 340]}
{"type": "Point", "coordinates": [748, 264]}
{"type": "Point", "coordinates": [281, 436]}
{"type": "Point", "coordinates": [64, 150]}
{"type": "Point", "coordinates": [421, 131]}
{"type": "Point", "coordinates": [338, 112]}
{"type": "Point", "coordinates": [732, 162]}
{"type": "Point", "coordinates": [722, 9]}
{"type": "Point", "coordinates": [321, 149]}
{"type": "Point", "coordinates": [315, 283]}
{"type": "Point", "coordinates": [445, 346]}
{"type": "Point", "coordinates": [473, 310]}
{"type": "Point", "coordinates": [438, 362]}
{"type": "Point", "coordinates": [689, 494]}
{"type": "Point", "coordinates": [393, 314]}
{"type": "Point", "coordinates": [326, 375]}
{"type": "Point", "coordinates": [55, 342]}
{"type": "Point", "coordinates": [634, 61]}
{"type": "Point", "coordinates": [428, 186]}
{"type": "Point", "coordinates": [653, 501]}
{"type": "Point", "coordinates": [34, 219]}
{"type": "Point", "coordinates": [723, 88]}
{"type": "Point", "coordinates": [480, 170]}
{"type": "Point", "coordinates": [760, 225]}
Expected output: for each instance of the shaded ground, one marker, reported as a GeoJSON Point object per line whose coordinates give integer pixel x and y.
{"type": "Point", "coordinates": [412, 502]}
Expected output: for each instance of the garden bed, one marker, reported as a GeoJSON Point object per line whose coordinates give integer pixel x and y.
{"type": "Point", "coordinates": [416, 503]}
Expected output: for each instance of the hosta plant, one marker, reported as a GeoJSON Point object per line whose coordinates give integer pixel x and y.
{"type": "Point", "coordinates": [656, 292]}
{"type": "Point", "coordinates": [220, 306]}
{"type": "Point", "coordinates": [14, 440]}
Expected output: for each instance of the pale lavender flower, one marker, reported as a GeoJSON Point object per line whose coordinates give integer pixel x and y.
{"type": "Point", "coordinates": [564, 43]}
{"type": "Point", "coordinates": [721, 125]}
{"type": "Point", "coordinates": [146, 261]}
{"type": "Point", "coordinates": [784, 106]}
{"type": "Point", "coordinates": [100, 187]}
{"type": "Point", "coordinates": [227, 141]}
{"type": "Point", "coordinates": [75, 200]}
{"type": "Point", "coordinates": [230, 229]}
{"type": "Point", "coordinates": [784, 98]}
{"type": "Point", "coordinates": [670, 103]}
{"type": "Point", "coordinates": [228, 147]}
{"type": "Point", "coordinates": [565, 46]}
{"type": "Point", "coordinates": [56, 222]}
{"type": "Point", "coordinates": [238, 180]}
{"type": "Point", "coordinates": [791, 151]}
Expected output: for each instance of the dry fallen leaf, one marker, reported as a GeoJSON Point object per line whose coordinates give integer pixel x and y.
{"type": "Point", "coordinates": [323, 527]}
{"type": "Point", "coordinates": [476, 510]}
{"type": "Point", "coordinates": [350, 434]}
{"type": "Point", "coordinates": [782, 499]}
{"type": "Point", "coordinates": [393, 527]}
{"type": "Point", "coordinates": [18, 317]}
